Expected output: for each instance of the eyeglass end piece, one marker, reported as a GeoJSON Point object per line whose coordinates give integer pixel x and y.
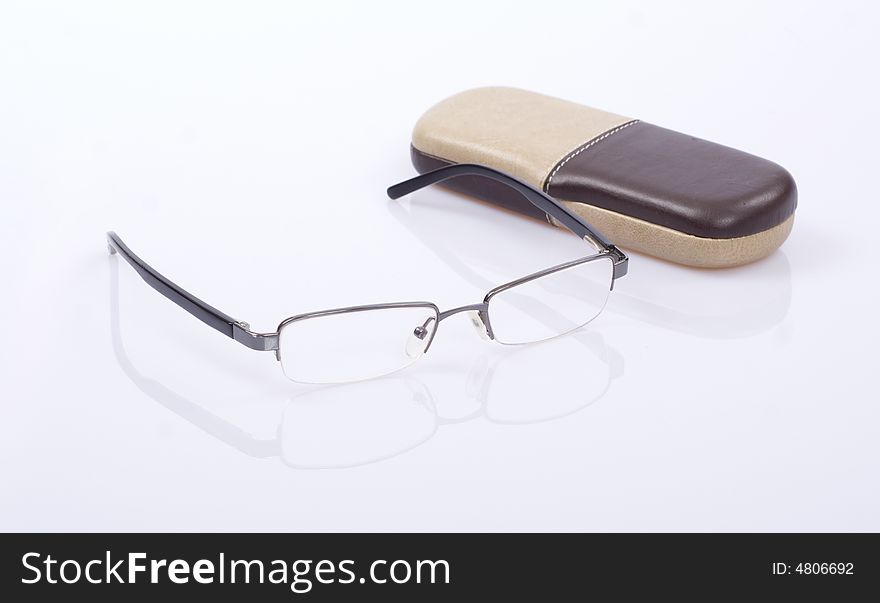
{"type": "Point", "coordinates": [262, 342]}
{"type": "Point", "coordinates": [621, 261]}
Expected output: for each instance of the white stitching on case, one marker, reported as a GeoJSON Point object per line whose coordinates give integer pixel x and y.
{"type": "Point", "coordinates": [583, 148]}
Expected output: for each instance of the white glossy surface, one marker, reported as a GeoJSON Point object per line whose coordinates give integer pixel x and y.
{"type": "Point", "coordinates": [245, 152]}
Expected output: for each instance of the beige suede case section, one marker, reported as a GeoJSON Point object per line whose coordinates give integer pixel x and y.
{"type": "Point", "coordinates": [522, 133]}
{"type": "Point", "coordinates": [527, 134]}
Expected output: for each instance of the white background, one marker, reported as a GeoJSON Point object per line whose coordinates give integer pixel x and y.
{"type": "Point", "coordinates": [243, 149]}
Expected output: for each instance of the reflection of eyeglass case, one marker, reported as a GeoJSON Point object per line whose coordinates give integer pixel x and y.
{"type": "Point", "coordinates": [644, 187]}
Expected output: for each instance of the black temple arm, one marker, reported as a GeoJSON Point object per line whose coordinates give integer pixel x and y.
{"type": "Point", "coordinates": [542, 201]}
{"type": "Point", "coordinates": [208, 314]}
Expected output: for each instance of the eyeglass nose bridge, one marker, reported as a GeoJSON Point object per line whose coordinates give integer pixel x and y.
{"type": "Point", "coordinates": [479, 314]}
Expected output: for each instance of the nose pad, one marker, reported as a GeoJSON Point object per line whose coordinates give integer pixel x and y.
{"type": "Point", "coordinates": [478, 323]}
{"type": "Point", "coordinates": [418, 340]}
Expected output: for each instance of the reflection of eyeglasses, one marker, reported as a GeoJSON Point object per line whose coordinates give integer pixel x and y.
{"type": "Point", "coordinates": [359, 342]}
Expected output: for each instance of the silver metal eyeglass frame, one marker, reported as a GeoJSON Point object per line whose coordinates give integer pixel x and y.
{"type": "Point", "coordinates": [241, 332]}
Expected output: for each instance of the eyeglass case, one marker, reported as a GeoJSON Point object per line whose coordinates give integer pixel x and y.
{"type": "Point", "coordinates": [646, 188]}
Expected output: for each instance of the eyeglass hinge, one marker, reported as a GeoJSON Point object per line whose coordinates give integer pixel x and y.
{"type": "Point", "coordinates": [263, 342]}
{"type": "Point", "coordinates": [621, 261]}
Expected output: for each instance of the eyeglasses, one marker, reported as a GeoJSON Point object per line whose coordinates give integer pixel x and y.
{"type": "Point", "coordinates": [361, 342]}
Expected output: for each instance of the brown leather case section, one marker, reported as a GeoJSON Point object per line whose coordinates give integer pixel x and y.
{"type": "Point", "coordinates": [660, 176]}
{"type": "Point", "coordinates": [674, 180]}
